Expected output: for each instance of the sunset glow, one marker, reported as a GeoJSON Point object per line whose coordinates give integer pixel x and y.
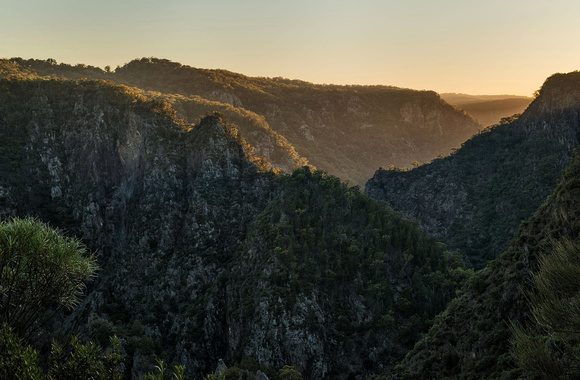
{"type": "Point", "coordinates": [477, 47]}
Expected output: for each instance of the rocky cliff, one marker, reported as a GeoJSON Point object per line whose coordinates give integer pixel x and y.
{"type": "Point", "coordinates": [204, 256]}
{"type": "Point", "coordinates": [348, 131]}
{"type": "Point", "coordinates": [475, 199]}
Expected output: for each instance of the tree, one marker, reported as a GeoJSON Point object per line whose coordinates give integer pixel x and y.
{"type": "Point", "coordinates": [41, 271]}
{"type": "Point", "coordinates": [17, 361]}
{"type": "Point", "coordinates": [77, 361]}
{"type": "Point", "coordinates": [551, 349]}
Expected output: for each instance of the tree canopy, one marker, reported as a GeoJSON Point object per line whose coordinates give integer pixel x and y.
{"type": "Point", "coordinates": [41, 271]}
{"type": "Point", "coordinates": [550, 349]}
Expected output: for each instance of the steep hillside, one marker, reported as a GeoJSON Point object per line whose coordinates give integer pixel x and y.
{"type": "Point", "coordinates": [348, 131]}
{"type": "Point", "coordinates": [205, 257]}
{"type": "Point", "coordinates": [475, 199]}
{"type": "Point", "coordinates": [266, 142]}
{"type": "Point", "coordinates": [470, 339]}
{"type": "Point", "coordinates": [256, 131]}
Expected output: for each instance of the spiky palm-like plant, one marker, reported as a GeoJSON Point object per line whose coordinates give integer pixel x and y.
{"type": "Point", "coordinates": [41, 271]}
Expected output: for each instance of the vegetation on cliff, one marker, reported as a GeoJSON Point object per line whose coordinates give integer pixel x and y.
{"type": "Point", "coordinates": [550, 348]}
{"type": "Point", "coordinates": [471, 338]}
{"type": "Point", "coordinates": [208, 254]}
{"type": "Point", "coordinates": [204, 256]}
{"type": "Point", "coordinates": [475, 199]}
{"type": "Point", "coordinates": [348, 131]}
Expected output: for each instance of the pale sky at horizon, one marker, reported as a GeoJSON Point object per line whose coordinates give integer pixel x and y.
{"type": "Point", "coordinates": [474, 47]}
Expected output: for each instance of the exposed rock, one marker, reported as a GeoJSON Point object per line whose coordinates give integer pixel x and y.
{"type": "Point", "coordinates": [261, 376]}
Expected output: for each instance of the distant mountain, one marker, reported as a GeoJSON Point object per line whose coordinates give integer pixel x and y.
{"type": "Point", "coordinates": [475, 199]}
{"type": "Point", "coordinates": [489, 109]}
{"type": "Point", "coordinates": [203, 255]}
{"type": "Point", "coordinates": [458, 98]}
{"type": "Point", "coordinates": [470, 339]}
{"type": "Point", "coordinates": [348, 131]}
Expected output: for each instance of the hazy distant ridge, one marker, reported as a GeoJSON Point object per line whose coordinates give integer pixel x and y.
{"type": "Point", "coordinates": [489, 109]}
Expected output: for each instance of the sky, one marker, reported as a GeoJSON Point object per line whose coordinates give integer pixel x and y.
{"type": "Point", "coordinates": [464, 46]}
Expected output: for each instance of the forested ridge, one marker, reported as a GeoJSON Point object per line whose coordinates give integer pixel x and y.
{"type": "Point", "coordinates": [475, 199]}
{"type": "Point", "coordinates": [348, 131]}
{"type": "Point", "coordinates": [206, 253]}
{"type": "Point", "coordinates": [471, 338]}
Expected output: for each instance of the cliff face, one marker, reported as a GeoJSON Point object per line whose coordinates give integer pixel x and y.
{"type": "Point", "coordinates": [475, 199]}
{"type": "Point", "coordinates": [204, 257]}
{"type": "Point", "coordinates": [148, 195]}
{"type": "Point", "coordinates": [348, 131]}
{"type": "Point", "coordinates": [351, 132]}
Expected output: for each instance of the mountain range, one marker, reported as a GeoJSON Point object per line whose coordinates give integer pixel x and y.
{"type": "Point", "coordinates": [209, 252]}
{"type": "Point", "coordinates": [204, 256]}
{"type": "Point", "coordinates": [489, 109]}
{"type": "Point", "coordinates": [347, 131]}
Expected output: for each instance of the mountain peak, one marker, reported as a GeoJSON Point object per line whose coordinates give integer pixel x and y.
{"type": "Point", "coordinates": [559, 92]}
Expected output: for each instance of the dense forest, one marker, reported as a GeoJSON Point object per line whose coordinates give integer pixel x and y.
{"type": "Point", "coordinates": [347, 131]}
{"type": "Point", "coordinates": [178, 248]}
{"type": "Point", "coordinates": [206, 255]}
{"type": "Point", "coordinates": [471, 338]}
{"type": "Point", "coordinates": [475, 199]}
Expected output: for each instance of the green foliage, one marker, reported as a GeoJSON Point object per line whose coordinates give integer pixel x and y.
{"type": "Point", "coordinates": [178, 372]}
{"type": "Point", "coordinates": [289, 373]}
{"type": "Point", "coordinates": [17, 361]}
{"type": "Point", "coordinates": [475, 199]}
{"type": "Point", "coordinates": [552, 349]}
{"type": "Point", "coordinates": [325, 240]}
{"type": "Point", "coordinates": [79, 361]}
{"type": "Point", "coordinates": [40, 271]}
{"type": "Point", "coordinates": [85, 360]}
{"type": "Point", "coordinates": [213, 376]}
{"type": "Point", "coordinates": [310, 263]}
{"type": "Point", "coordinates": [75, 361]}
{"type": "Point", "coordinates": [474, 326]}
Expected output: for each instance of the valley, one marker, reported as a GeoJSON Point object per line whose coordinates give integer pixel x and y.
{"type": "Point", "coordinates": [229, 221]}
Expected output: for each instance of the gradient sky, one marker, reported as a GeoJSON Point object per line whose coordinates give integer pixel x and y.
{"type": "Point", "coordinates": [475, 47]}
